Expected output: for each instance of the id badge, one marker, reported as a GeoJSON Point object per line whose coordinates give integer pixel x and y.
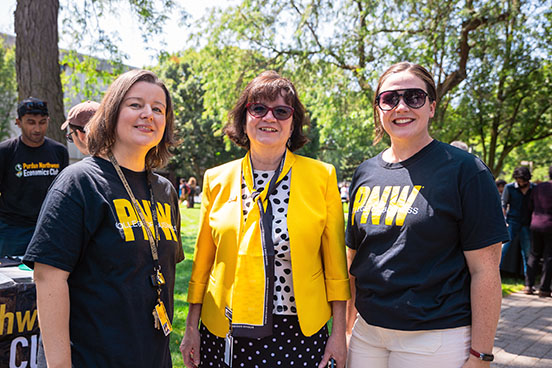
{"type": "Point", "coordinates": [157, 279]}
{"type": "Point", "coordinates": [228, 348]}
{"type": "Point", "coordinates": [163, 318]}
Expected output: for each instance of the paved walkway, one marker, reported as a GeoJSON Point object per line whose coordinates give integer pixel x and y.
{"type": "Point", "coordinates": [524, 335]}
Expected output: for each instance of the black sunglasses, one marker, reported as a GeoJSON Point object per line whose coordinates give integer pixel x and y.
{"type": "Point", "coordinates": [413, 97]}
{"type": "Point", "coordinates": [74, 128]}
{"type": "Point", "coordinates": [259, 110]}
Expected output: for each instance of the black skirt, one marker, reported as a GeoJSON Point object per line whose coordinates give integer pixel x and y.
{"type": "Point", "coordinates": [287, 347]}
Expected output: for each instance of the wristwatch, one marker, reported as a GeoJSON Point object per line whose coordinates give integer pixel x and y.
{"type": "Point", "coordinates": [482, 356]}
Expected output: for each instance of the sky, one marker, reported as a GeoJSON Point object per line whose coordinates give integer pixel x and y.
{"type": "Point", "coordinates": [174, 35]}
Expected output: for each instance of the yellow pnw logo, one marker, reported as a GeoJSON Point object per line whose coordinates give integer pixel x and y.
{"type": "Point", "coordinates": [128, 219]}
{"type": "Point", "coordinates": [394, 201]}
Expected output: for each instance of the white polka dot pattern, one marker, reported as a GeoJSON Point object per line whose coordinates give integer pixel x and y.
{"type": "Point", "coordinates": [286, 347]}
{"type": "Point", "coordinates": [284, 297]}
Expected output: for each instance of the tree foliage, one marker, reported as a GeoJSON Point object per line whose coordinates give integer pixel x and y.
{"type": "Point", "coordinates": [202, 144]}
{"type": "Point", "coordinates": [506, 102]}
{"type": "Point", "coordinates": [205, 85]}
{"type": "Point", "coordinates": [8, 89]}
{"type": "Point", "coordinates": [536, 155]}
{"type": "Point", "coordinates": [38, 69]}
{"type": "Point", "coordinates": [335, 51]}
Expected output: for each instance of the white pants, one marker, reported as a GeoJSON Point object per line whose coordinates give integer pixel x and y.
{"type": "Point", "coordinates": [377, 347]}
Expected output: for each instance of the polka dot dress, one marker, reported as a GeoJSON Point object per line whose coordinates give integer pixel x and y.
{"type": "Point", "coordinates": [284, 300]}
{"type": "Point", "coordinates": [287, 347]}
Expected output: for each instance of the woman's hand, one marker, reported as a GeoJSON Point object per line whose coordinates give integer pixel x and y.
{"type": "Point", "coordinates": [336, 348]}
{"type": "Point", "coordinates": [189, 347]}
{"type": "Point", "coordinates": [473, 362]}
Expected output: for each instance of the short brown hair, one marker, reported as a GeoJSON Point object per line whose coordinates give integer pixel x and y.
{"type": "Point", "coordinates": [267, 86]}
{"type": "Point", "coordinates": [419, 71]}
{"type": "Point", "coordinates": [102, 126]}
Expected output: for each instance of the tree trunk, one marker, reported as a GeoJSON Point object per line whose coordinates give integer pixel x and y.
{"type": "Point", "coordinates": [37, 58]}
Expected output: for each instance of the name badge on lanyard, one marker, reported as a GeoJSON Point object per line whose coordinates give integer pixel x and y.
{"type": "Point", "coordinates": [229, 340]}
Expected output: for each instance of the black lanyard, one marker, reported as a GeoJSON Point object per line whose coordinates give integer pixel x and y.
{"type": "Point", "coordinates": [151, 238]}
{"type": "Point", "coordinates": [268, 244]}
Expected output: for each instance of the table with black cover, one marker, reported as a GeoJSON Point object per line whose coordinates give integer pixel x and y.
{"type": "Point", "coordinates": [19, 330]}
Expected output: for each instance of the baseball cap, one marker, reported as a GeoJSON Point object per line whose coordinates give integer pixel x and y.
{"type": "Point", "coordinates": [32, 105]}
{"type": "Point", "coordinates": [80, 114]}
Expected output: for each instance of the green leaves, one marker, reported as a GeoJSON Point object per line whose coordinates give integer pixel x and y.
{"type": "Point", "coordinates": [484, 56]}
{"type": "Point", "coordinates": [8, 88]}
{"type": "Point", "coordinates": [199, 129]}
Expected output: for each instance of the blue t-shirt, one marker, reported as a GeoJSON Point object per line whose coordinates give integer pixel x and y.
{"type": "Point", "coordinates": [410, 223]}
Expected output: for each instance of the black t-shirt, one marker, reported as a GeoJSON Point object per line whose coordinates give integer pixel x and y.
{"type": "Point", "coordinates": [88, 227]}
{"type": "Point", "coordinates": [410, 223]}
{"type": "Point", "coordinates": [25, 176]}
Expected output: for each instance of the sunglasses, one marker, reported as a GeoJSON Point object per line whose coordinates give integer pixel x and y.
{"type": "Point", "coordinates": [35, 105]}
{"type": "Point", "coordinates": [413, 97]}
{"type": "Point", "coordinates": [74, 128]}
{"type": "Point", "coordinates": [32, 107]}
{"type": "Point", "coordinates": [259, 110]}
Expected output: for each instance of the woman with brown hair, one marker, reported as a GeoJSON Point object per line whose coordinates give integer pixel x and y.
{"type": "Point", "coordinates": [269, 266]}
{"type": "Point", "coordinates": [424, 235]}
{"type": "Point", "coordinates": [104, 280]}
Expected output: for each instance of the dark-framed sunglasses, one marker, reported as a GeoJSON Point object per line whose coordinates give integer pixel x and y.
{"type": "Point", "coordinates": [259, 110]}
{"type": "Point", "coordinates": [73, 128]}
{"type": "Point", "coordinates": [413, 97]}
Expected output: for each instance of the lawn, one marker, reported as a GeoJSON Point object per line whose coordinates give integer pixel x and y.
{"type": "Point", "coordinates": [511, 285]}
{"type": "Point", "coordinates": [190, 223]}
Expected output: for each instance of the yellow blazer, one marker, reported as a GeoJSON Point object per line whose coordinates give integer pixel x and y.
{"type": "Point", "coordinates": [228, 263]}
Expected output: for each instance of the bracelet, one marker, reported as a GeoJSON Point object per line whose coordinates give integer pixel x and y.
{"type": "Point", "coordinates": [482, 356]}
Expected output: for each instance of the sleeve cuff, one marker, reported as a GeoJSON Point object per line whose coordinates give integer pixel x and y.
{"type": "Point", "coordinates": [338, 289]}
{"type": "Point", "coordinates": [196, 292]}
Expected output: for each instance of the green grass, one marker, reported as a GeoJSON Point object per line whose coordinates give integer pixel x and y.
{"type": "Point", "coordinates": [511, 285]}
{"type": "Point", "coordinates": [190, 224]}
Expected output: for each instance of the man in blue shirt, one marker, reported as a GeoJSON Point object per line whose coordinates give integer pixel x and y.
{"type": "Point", "coordinates": [515, 203]}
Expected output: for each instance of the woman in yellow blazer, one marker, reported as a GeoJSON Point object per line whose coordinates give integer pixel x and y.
{"type": "Point", "coordinates": [269, 265]}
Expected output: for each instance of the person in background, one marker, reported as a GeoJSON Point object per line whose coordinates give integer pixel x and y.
{"type": "Point", "coordinates": [424, 267]}
{"type": "Point", "coordinates": [105, 281]}
{"type": "Point", "coordinates": [515, 203]}
{"type": "Point", "coordinates": [78, 117]}
{"type": "Point", "coordinates": [192, 184]}
{"type": "Point", "coordinates": [540, 206]}
{"type": "Point", "coordinates": [459, 144]}
{"type": "Point", "coordinates": [500, 184]}
{"type": "Point", "coordinates": [344, 193]}
{"type": "Point", "coordinates": [269, 265]}
{"type": "Point", "coordinates": [183, 191]}
{"type": "Point", "coordinates": [28, 165]}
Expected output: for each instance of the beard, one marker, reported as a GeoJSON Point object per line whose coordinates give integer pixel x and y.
{"type": "Point", "coordinates": [524, 185]}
